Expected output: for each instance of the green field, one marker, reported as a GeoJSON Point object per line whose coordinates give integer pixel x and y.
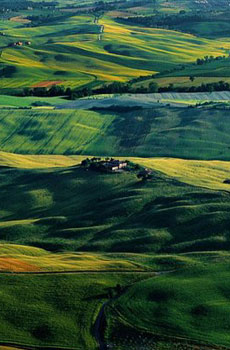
{"type": "Point", "coordinates": [121, 53]}
{"type": "Point", "coordinates": [173, 132]}
{"type": "Point", "coordinates": [22, 102]}
{"type": "Point", "coordinates": [96, 260]}
{"type": "Point", "coordinates": [59, 211]}
{"type": "Point", "coordinates": [54, 310]}
{"type": "Point", "coordinates": [183, 305]}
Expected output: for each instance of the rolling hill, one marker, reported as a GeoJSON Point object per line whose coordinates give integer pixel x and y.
{"type": "Point", "coordinates": [73, 51]}
{"type": "Point", "coordinates": [93, 260]}
{"type": "Point", "coordinates": [146, 132]}
{"type": "Point", "coordinates": [161, 215]}
{"type": "Point", "coordinates": [175, 310]}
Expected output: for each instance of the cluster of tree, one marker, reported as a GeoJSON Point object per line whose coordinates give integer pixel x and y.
{"type": "Point", "coordinates": [119, 88]}
{"type": "Point", "coordinates": [113, 88]}
{"type": "Point", "coordinates": [209, 59]}
{"type": "Point", "coordinates": [141, 78]}
{"type": "Point", "coordinates": [39, 20]}
{"type": "Point", "coordinates": [57, 90]}
{"type": "Point", "coordinates": [175, 21]}
{"type": "Point", "coordinates": [54, 90]}
{"type": "Point", "coordinates": [145, 175]}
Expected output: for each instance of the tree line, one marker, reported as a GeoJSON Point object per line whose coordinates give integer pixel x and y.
{"type": "Point", "coordinates": [113, 88]}
{"type": "Point", "coordinates": [121, 88]}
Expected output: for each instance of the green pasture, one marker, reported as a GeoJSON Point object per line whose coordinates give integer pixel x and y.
{"type": "Point", "coordinates": [160, 215]}
{"type": "Point", "coordinates": [189, 304]}
{"type": "Point", "coordinates": [57, 311]}
{"type": "Point", "coordinates": [150, 132]}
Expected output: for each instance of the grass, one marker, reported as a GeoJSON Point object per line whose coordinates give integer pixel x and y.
{"type": "Point", "coordinates": [156, 131]}
{"type": "Point", "coordinates": [208, 174]}
{"type": "Point", "coordinates": [182, 81]}
{"type": "Point", "coordinates": [56, 310]}
{"type": "Point", "coordinates": [37, 161]}
{"type": "Point", "coordinates": [163, 215]}
{"type": "Point", "coordinates": [191, 304]}
{"type": "Point", "coordinates": [12, 101]}
{"type": "Point", "coordinates": [133, 51]}
{"type": "Point", "coordinates": [32, 315]}
{"type": "Point", "coordinates": [19, 258]}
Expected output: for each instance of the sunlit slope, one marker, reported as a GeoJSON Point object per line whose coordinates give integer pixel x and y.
{"type": "Point", "coordinates": [74, 51]}
{"type": "Point", "coordinates": [37, 161]}
{"type": "Point", "coordinates": [61, 209]}
{"type": "Point", "coordinates": [19, 258]}
{"type": "Point", "coordinates": [171, 132]}
{"type": "Point", "coordinates": [209, 174]}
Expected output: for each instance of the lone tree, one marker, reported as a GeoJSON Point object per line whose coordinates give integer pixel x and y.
{"type": "Point", "coordinates": [86, 162]}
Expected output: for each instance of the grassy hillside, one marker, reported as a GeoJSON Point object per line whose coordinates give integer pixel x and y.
{"type": "Point", "coordinates": [209, 174]}
{"type": "Point", "coordinates": [54, 310]}
{"type": "Point", "coordinates": [171, 132]}
{"type": "Point", "coordinates": [59, 211]}
{"type": "Point", "coordinates": [16, 102]}
{"type": "Point", "coordinates": [37, 161]}
{"type": "Point", "coordinates": [59, 310]}
{"type": "Point", "coordinates": [191, 304]}
{"type": "Point", "coordinates": [20, 258]}
{"type": "Point", "coordinates": [217, 70]}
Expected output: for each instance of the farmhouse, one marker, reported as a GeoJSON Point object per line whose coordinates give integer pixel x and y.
{"type": "Point", "coordinates": [18, 43]}
{"type": "Point", "coordinates": [105, 165]}
{"type": "Point", "coordinates": [114, 165]}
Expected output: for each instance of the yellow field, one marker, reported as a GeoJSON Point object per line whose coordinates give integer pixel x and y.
{"type": "Point", "coordinates": [38, 161]}
{"type": "Point", "coordinates": [209, 174]}
{"type": "Point", "coordinates": [18, 258]}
